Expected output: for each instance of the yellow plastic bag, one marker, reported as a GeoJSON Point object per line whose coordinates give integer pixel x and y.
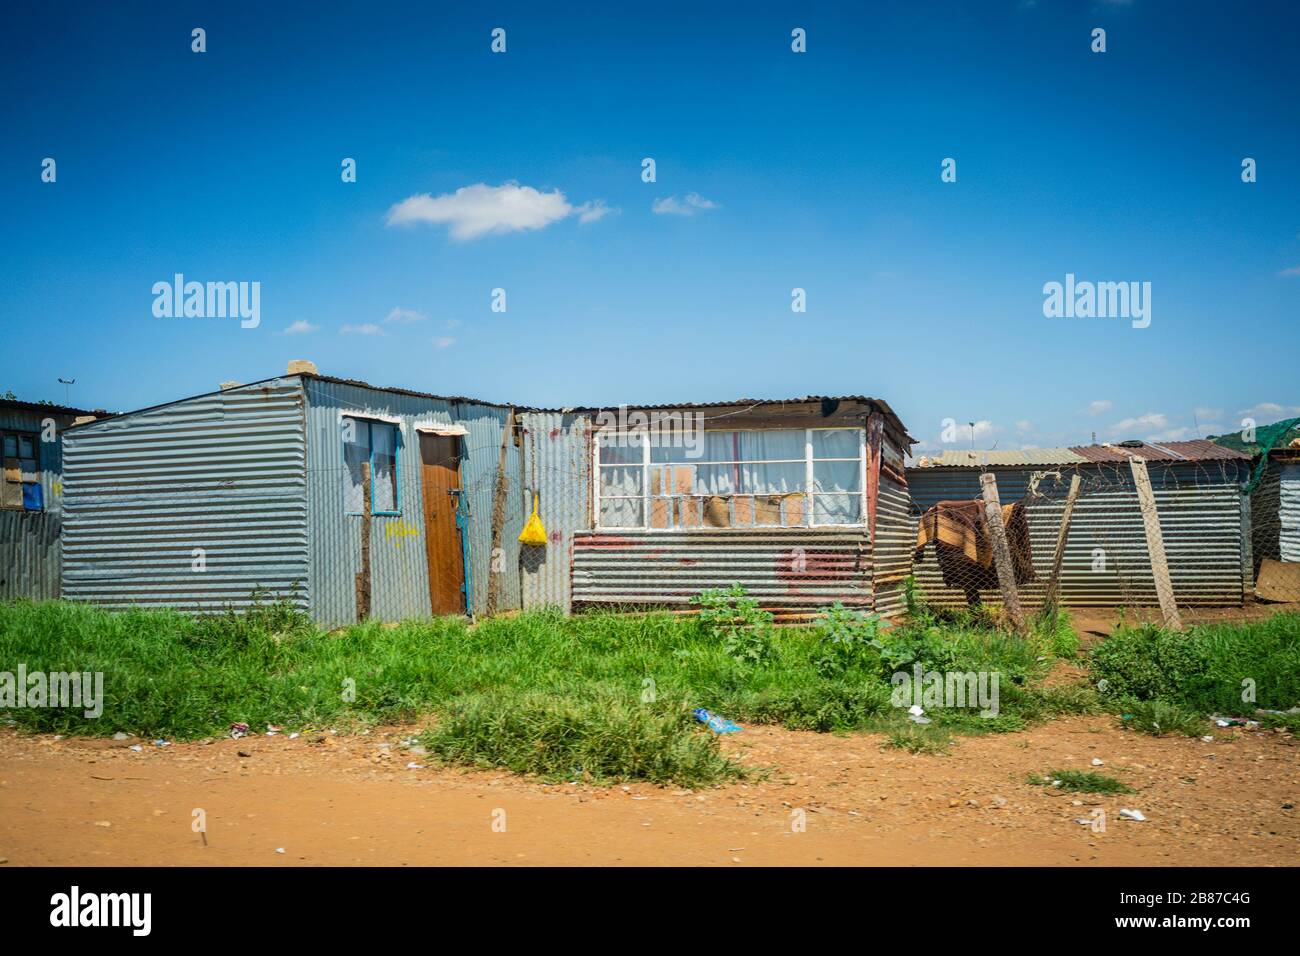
{"type": "Point", "coordinates": [534, 531]}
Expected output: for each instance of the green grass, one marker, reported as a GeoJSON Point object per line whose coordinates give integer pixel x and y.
{"type": "Point", "coordinates": [1080, 781]}
{"type": "Point", "coordinates": [1207, 669]}
{"type": "Point", "coordinates": [581, 691]}
{"type": "Point", "coordinates": [601, 740]}
{"type": "Point", "coordinates": [1158, 717]}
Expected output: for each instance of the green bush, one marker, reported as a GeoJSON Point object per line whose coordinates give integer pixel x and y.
{"type": "Point", "coordinates": [733, 616]}
{"type": "Point", "coordinates": [1209, 668]}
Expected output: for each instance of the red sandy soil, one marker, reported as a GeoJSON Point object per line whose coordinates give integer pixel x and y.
{"type": "Point", "coordinates": [346, 800]}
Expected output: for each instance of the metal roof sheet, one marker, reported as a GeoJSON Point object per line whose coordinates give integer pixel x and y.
{"type": "Point", "coordinates": [1196, 450]}
{"type": "Point", "coordinates": [1171, 451]}
{"type": "Point", "coordinates": [952, 458]}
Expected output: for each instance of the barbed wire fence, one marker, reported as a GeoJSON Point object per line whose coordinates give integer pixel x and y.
{"type": "Point", "coordinates": [1156, 540]}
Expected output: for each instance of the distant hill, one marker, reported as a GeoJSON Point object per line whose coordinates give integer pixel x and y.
{"type": "Point", "coordinates": [1233, 440]}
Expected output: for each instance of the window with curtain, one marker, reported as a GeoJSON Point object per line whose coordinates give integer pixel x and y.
{"type": "Point", "coordinates": [784, 478]}
{"type": "Point", "coordinates": [375, 443]}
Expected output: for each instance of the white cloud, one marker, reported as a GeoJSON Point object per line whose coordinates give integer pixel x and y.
{"type": "Point", "coordinates": [1267, 412]}
{"type": "Point", "coordinates": [444, 342]}
{"type": "Point", "coordinates": [1292, 271]}
{"type": "Point", "coordinates": [689, 206]}
{"type": "Point", "coordinates": [364, 329]}
{"type": "Point", "coordinates": [301, 327]}
{"type": "Point", "coordinates": [593, 211]}
{"type": "Point", "coordinates": [1024, 425]}
{"type": "Point", "coordinates": [451, 324]}
{"type": "Point", "coordinates": [1099, 406]}
{"type": "Point", "coordinates": [404, 316]}
{"type": "Point", "coordinates": [479, 210]}
{"type": "Point", "coordinates": [1147, 421]}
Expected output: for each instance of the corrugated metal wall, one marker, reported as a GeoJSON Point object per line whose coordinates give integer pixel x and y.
{"type": "Point", "coordinates": [892, 554]}
{"type": "Point", "coordinates": [1275, 512]}
{"type": "Point", "coordinates": [1200, 516]}
{"type": "Point", "coordinates": [223, 472]}
{"type": "Point", "coordinates": [783, 568]}
{"type": "Point", "coordinates": [557, 461]}
{"type": "Point", "coordinates": [399, 566]}
{"type": "Point", "coordinates": [30, 562]}
{"type": "Point", "coordinates": [1289, 510]}
{"type": "Point", "coordinates": [1266, 515]}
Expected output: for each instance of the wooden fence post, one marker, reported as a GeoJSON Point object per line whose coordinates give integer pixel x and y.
{"type": "Point", "coordinates": [1058, 556]}
{"type": "Point", "coordinates": [1155, 543]}
{"type": "Point", "coordinates": [1001, 552]}
{"type": "Point", "coordinates": [363, 576]}
{"type": "Point", "coordinates": [498, 516]}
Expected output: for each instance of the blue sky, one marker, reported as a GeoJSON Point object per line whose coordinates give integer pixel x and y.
{"type": "Point", "coordinates": [818, 170]}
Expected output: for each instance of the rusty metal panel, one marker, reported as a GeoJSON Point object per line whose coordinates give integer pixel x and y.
{"type": "Point", "coordinates": [399, 564]}
{"type": "Point", "coordinates": [892, 550]}
{"type": "Point", "coordinates": [1170, 451]}
{"type": "Point", "coordinates": [30, 541]}
{"type": "Point", "coordinates": [1106, 562]}
{"type": "Point", "coordinates": [784, 568]}
{"type": "Point", "coordinates": [557, 462]}
{"type": "Point", "coordinates": [951, 458]}
{"type": "Point", "coordinates": [224, 473]}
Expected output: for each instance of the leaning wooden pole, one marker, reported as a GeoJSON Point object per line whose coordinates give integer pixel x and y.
{"type": "Point", "coordinates": [499, 514]}
{"type": "Point", "coordinates": [1001, 551]}
{"type": "Point", "coordinates": [1062, 534]}
{"type": "Point", "coordinates": [1155, 543]}
{"type": "Point", "coordinates": [363, 576]}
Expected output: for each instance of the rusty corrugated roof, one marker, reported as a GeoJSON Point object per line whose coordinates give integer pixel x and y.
{"type": "Point", "coordinates": [1010, 458]}
{"type": "Point", "coordinates": [1197, 450]}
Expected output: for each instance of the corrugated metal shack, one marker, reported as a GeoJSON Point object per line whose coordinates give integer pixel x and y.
{"type": "Point", "coordinates": [31, 502]}
{"type": "Point", "coordinates": [315, 489]}
{"type": "Point", "coordinates": [1204, 520]}
{"type": "Point", "coordinates": [1275, 508]}
{"type": "Point", "coordinates": [357, 501]}
{"type": "Point", "coordinates": [802, 501]}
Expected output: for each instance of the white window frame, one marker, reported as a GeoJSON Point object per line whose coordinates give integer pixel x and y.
{"type": "Point", "coordinates": [810, 494]}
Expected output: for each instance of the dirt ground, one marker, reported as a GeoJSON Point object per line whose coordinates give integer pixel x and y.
{"type": "Point", "coordinates": [350, 800]}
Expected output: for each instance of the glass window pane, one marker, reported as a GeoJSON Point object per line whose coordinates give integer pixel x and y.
{"type": "Point", "coordinates": [837, 509]}
{"type": "Point", "coordinates": [622, 513]}
{"type": "Point", "coordinates": [355, 453]}
{"type": "Point", "coordinates": [25, 447]}
{"type": "Point", "coordinates": [620, 449]}
{"type": "Point", "coordinates": [837, 476]}
{"type": "Point", "coordinates": [781, 444]}
{"type": "Point", "coordinates": [11, 446]}
{"type": "Point", "coordinates": [780, 478]}
{"type": "Point", "coordinates": [836, 443]}
{"type": "Point", "coordinates": [621, 480]}
{"type": "Point", "coordinates": [385, 484]}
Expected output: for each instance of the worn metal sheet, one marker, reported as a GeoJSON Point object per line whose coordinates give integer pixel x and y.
{"type": "Point", "coordinates": [1170, 451]}
{"type": "Point", "coordinates": [1106, 562]}
{"type": "Point", "coordinates": [892, 550]}
{"type": "Point", "coordinates": [791, 567]}
{"type": "Point", "coordinates": [951, 458]}
{"type": "Point", "coordinates": [399, 564]}
{"type": "Point", "coordinates": [224, 473]}
{"type": "Point", "coordinates": [30, 541]}
{"type": "Point", "coordinates": [557, 462]}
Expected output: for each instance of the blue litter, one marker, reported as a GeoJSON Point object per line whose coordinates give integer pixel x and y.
{"type": "Point", "coordinates": [719, 725]}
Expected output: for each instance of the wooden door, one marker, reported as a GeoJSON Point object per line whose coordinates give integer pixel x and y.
{"type": "Point", "coordinates": [440, 485]}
